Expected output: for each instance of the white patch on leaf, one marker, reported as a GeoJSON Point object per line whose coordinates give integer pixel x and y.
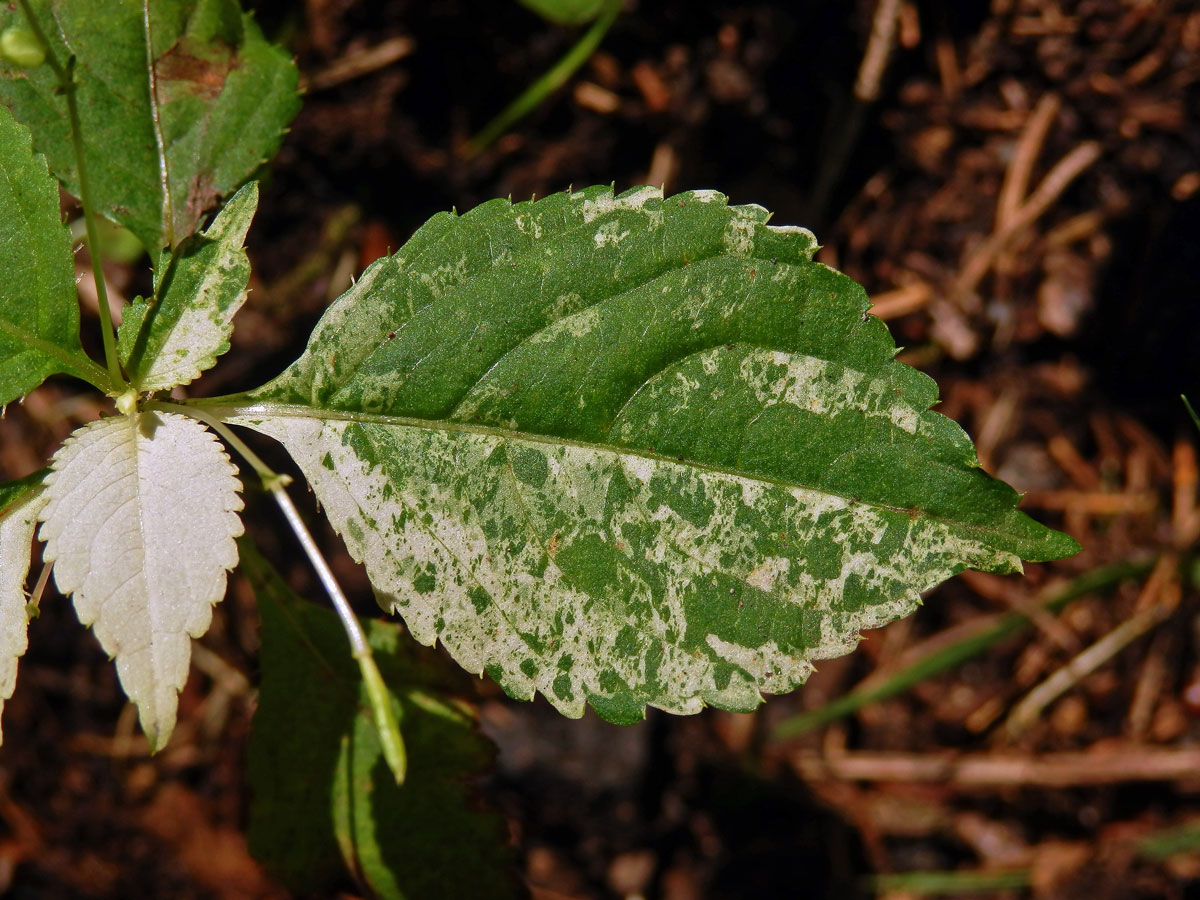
{"type": "Point", "coordinates": [578, 571]}
{"type": "Point", "coordinates": [17, 524]}
{"type": "Point", "coordinates": [604, 203]}
{"type": "Point", "coordinates": [140, 526]}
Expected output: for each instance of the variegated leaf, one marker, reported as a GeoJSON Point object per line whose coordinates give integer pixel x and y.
{"type": "Point", "coordinates": [629, 451]}
{"type": "Point", "coordinates": [171, 338]}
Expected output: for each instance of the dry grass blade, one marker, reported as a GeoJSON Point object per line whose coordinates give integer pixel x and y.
{"type": "Point", "coordinates": [975, 771]}
{"type": "Point", "coordinates": [1016, 178]}
{"type": "Point", "coordinates": [1157, 600]}
{"type": "Point", "coordinates": [364, 62]}
{"type": "Point", "coordinates": [1043, 197]}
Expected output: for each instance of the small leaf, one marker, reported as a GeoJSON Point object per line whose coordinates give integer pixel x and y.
{"type": "Point", "coordinates": [20, 503]}
{"type": "Point", "coordinates": [565, 12]}
{"type": "Point", "coordinates": [629, 451]}
{"type": "Point", "coordinates": [164, 146]}
{"type": "Point", "coordinates": [324, 802]}
{"type": "Point", "coordinates": [140, 526]}
{"type": "Point", "coordinates": [172, 338]}
{"type": "Point", "coordinates": [39, 312]}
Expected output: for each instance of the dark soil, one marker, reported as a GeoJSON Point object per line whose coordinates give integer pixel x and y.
{"type": "Point", "coordinates": [1061, 348]}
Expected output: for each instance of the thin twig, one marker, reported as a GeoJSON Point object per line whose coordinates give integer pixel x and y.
{"type": "Point", "coordinates": [1029, 146]}
{"type": "Point", "coordinates": [1185, 517]}
{"type": "Point", "coordinates": [1150, 681]}
{"type": "Point", "coordinates": [1056, 181]}
{"type": "Point", "coordinates": [879, 47]}
{"type": "Point", "coordinates": [952, 648]}
{"type": "Point", "coordinates": [901, 301]}
{"type": "Point", "coordinates": [1156, 604]}
{"type": "Point", "coordinates": [1134, 762]}
{"type": "Point", "coordinates": [364, 62]}
{"type": "Point", "coordinates": [1094, 502]}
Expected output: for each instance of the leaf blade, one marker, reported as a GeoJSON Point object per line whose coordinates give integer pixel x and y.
{"type": "Point", "coordinates": [19, 509]}
{"type": "Point", "coordinates": [39, 313]}
{"type": "Point", "coordinates": [180, 101]}
{"type": "Point", "coordinates": [741, 472]}
{"type": "Point", "coordinates": [171, 339]}
{"type": "Point", "coordinates": [324, 801]}
{"type": "Point", "coordinates": [126, 495]}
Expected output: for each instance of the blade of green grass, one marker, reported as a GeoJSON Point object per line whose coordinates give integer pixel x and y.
{"type": "Point", "coordinates": [931, 884]}
{"type": "Point", "coordinates": [1160, 845]}
{"type": "Point", "coordinates": [991, 631]}
{"type": "Point", "coordinates": [548, 83]}
{"type": "Point", "coordinates": [1195, 418]}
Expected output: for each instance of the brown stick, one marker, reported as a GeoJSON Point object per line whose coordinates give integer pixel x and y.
{"type": "Point", "coordinates": [1029, 146]}
{"type": "Point", "coordinates": [879, 46]}
{"type": "Point", "coordinates": [1156, 601]}
{"type": "Point", "coordinates": [901, 301]}
{"type": "Point", "coordinates": [1131, 762]}
{"type": "Point", "coordinates": [1094, 502]}
{"type": "Point", "coordinates": [362, 63]}
{"type": "Point", "coordinates": [1056, 181]}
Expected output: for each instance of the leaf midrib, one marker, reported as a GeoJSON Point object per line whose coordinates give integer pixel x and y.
{"type": "Point", "coordinates": [227, 408]}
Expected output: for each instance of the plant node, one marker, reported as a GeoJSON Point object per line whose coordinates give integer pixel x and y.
{"type": "Point", "coordinates": [127, 403]}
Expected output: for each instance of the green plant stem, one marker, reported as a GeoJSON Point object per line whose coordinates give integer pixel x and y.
{"type": "Point", "coordinates": [1195, 418]}
{"type": "Point", "coordinates": [66, 80]}
{"type": "Point", "coordinates": [548, 83]}
{"type": "Point", "coordinates": [958, 653]}
{"type": "Point", "coordinates": [382, 710]}
{"type": "Point", "coordinates": [390, 738]}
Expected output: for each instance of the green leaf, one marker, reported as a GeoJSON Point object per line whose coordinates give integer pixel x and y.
{"type": "Point", "coordinates": [171, 338]}
{"type": "Point", "coordinates": [324, 802]}
{"type": "Point", "coordinates": [12, 492]}
{"type": "Point", "coordinates": [628, 451]}
{"type": "Point", "coordinates": [163, 142]}
{"type": "Point", "coordinates": [20, 503]}
{"type": "Point", "coordinates": [140, 523]}
{"type": "Point", "coordinates": [39, 312]}
{"type": "Point", "coordinates": [565, 12]}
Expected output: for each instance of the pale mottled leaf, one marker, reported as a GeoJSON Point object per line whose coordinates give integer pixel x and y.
{"type": "Point", "coordinates": [140, 526]}
{"type": "Point", "coordinates": [181, 100]}
{"type": "Point", "coordinates": [171, 338]}
{"type": "Point", "coordinates": [324, 803]}
{"type": "Point", "coordinates": [20, 503]}
{"type": "Point", "coordinates": [39, 312]}
{"type": "Point", "coordinates": [630, 451]}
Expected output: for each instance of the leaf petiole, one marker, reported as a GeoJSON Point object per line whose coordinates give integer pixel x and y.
{"type": "Point", "coordinates": [390, 738]}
